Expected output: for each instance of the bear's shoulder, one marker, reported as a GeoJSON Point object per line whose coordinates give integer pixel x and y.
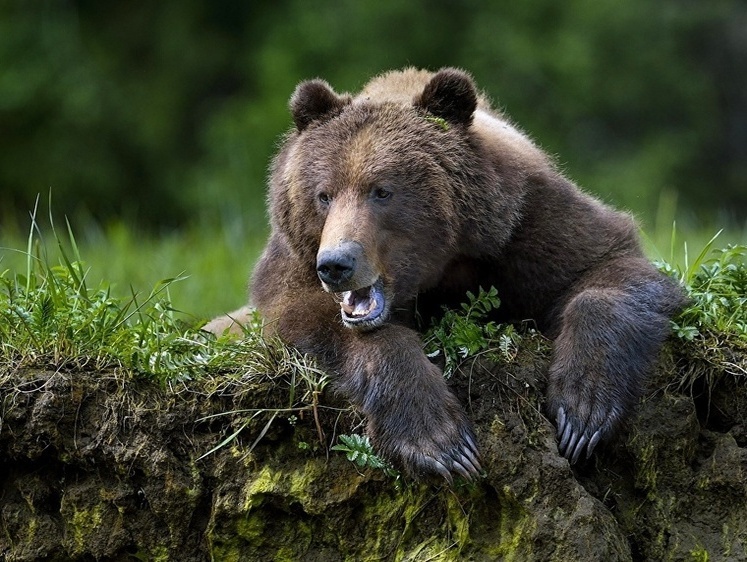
{"type": "Point", "coordinates": [508, 144]}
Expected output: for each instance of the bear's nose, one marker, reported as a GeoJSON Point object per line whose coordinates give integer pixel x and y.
{"type": "Point", "coordinates": [336, 266]}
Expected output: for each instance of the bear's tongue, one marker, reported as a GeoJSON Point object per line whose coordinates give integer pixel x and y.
{"type": "Point", "coordinates": [359, 302]}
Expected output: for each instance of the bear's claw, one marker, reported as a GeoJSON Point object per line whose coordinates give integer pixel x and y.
{"type": "Point", "coordinates": [573, 440]}
{"type": "Point", "coordinates": [442, 470]}
{"type": "Point", "coordinates": [461, 460]}
{"type": "Point", "coordinates": [473, 458]}
{"type": "Point", "coordinates": [469, 455]}
{"type": "Point", "coordinates": [458, 462]}
{"type": "Point", "coordinates": [465, 466]}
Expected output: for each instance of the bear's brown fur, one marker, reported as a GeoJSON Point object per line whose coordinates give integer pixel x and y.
{"type": "Point", "coordinates": [416, 189]}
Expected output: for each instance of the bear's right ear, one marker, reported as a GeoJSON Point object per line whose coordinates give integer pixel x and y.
{"type": "Point", "coordinates": [450, 95]}
{"type": "Point", "coordinates": [314, 100]}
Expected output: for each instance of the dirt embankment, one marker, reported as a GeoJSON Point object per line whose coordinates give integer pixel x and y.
{"type": "Point", "coordinates": [100, 466]}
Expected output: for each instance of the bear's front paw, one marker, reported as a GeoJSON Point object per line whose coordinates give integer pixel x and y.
{"type": "Point", "coordinates": [578, 432]}
{"type": "Point", "coordinates": [588, 406]}
{"type": "Point", "coordinates": [443, 447]}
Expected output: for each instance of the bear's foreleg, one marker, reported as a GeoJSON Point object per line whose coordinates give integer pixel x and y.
{"type": "Point", "coordinates": [412, 415]}
{"type": "Point", "coordinates": [610, 336]}
{"type": "Point", "coordinates": [413, 418]}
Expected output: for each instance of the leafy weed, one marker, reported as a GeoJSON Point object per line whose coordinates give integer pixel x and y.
{"type": "Point", "coordinates": [716, 283]}
{"type": "Point", "coordinates": [464, 333]}
{"type": "Point", "coordinates": [358, 450]}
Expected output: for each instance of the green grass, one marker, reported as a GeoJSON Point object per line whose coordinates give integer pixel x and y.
{"type": "Point", "coordinates": [116, 296]}
{"type": "Point", "coordinates": [55, 312]}
{"type": "Point", "coordinates": [717, 284]}
{"type": "Point", "coordinates": [213, 262]}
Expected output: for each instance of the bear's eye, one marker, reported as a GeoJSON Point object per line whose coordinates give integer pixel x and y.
{"type": "Point", "coordinates": [381, 193]}
{"type": "Point", "coordinates": [324, 198]}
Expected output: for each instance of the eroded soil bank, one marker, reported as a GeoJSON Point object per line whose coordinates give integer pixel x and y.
{"type": "Point", "coordinates": [103, 466]}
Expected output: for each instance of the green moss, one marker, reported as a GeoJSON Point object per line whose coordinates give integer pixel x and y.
{"type": "Point", "coordinates": [251, 529]}
{"type": "Point", "coordinates": [293, 483]}
{"type": "Point", "coordinates": [390, 516]}
{"type": "Point", "coordinates": [458, 521]}
{"type": "Point", "coordinates": [703, 482]}
{"type": "Point", "coordinates": [646, 474]}
{"type": "Point", "coordinates": [31, 530]}
{"type": "Point", "coordinates": [413, 543]}
{"type": "Point", "coordinates": [258, 537]}
{"type": "Point", "coordinates": [699, 554]}
{"type": "Point", "coordinates": [278, 536]}
{"type": "Point", "coordinates": [194, 492]}
{"type": "Point", "coordinates": [266, 480]}
{"type": "Point", "coordinates": [301, 480]}
{"type": "Point", "coordinates": [226, 552]}
{"type": "Point", "coordinates": [516, 529]}
{"type": "Point", "coordinates": [664, 508]}
{"type": "Point", "coordinates": [157, 554]}
{"type": "Point", "coordinates": [461, 515]}
{"type": "Point", "coordinates": [82, 524]}
{"type": "Point", "coordinates": [286, 554]}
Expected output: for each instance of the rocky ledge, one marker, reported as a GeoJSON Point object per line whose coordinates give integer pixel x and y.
{"type": "Point", "coordinates": [108, 466]}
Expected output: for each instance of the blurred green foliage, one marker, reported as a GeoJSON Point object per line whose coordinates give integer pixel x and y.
{"type": "Point", "coordinates": [166, 113]}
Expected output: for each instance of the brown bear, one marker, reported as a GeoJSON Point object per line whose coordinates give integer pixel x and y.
{"type": "Point", "coordinates": [408, 195]}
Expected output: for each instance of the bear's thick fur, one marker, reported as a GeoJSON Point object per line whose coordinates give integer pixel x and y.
{"type": "Point", "coordinates": [413, 192]}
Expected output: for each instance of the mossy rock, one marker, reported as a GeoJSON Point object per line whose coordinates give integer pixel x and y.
{"type": "Point", "coordinates": [107, 466]}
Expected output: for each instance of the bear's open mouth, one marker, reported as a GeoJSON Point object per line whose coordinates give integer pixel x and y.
{"type": "Point", "coordinates": [364, 307]}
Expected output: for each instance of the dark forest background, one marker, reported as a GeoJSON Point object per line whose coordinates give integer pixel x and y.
{"type": "Point", "coordinates": [165, 113]}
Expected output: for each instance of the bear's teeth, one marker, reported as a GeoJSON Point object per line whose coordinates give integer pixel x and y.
{"type": "Point", "coordinates": [362, 310]}
{"type": "Point", "coordinates": [358, 303]}
{"type": "Point", "coordinates": [348, 304]}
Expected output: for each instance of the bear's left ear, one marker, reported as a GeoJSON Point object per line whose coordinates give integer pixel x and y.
{"type": "Point", "coordinates": [451, 95]}
{"type": "Point", "coordinates": [314, 100]}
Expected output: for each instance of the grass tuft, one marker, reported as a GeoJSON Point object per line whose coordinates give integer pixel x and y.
{"type": "Point", "coordinates": [716, 283]}
{"type": "Point", "coordinates": [714, 324]}
{"type": "Point", "coordinates": [51, 318]}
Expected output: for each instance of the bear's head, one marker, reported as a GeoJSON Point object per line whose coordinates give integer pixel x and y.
{"type": "Point", "coordinates": [366, 190]}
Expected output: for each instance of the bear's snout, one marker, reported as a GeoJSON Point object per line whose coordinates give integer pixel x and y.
{"type": "Point", "coordinates": [336, 266]}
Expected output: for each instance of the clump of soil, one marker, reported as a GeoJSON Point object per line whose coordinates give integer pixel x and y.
{"type": "Point", "coordinates": [104, 466]}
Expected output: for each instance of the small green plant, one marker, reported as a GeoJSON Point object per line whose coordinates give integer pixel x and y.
{"type": "Point", "coordinates": [508, 342]}
{"type": "Point", "coordinates": [716, 283]}
{"type": "Point", "coordinates": [359, 450]}
{"type": "Point", "coordinates": [465, 332]}
{"type": "Point", "coordinates": [440, 121]}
